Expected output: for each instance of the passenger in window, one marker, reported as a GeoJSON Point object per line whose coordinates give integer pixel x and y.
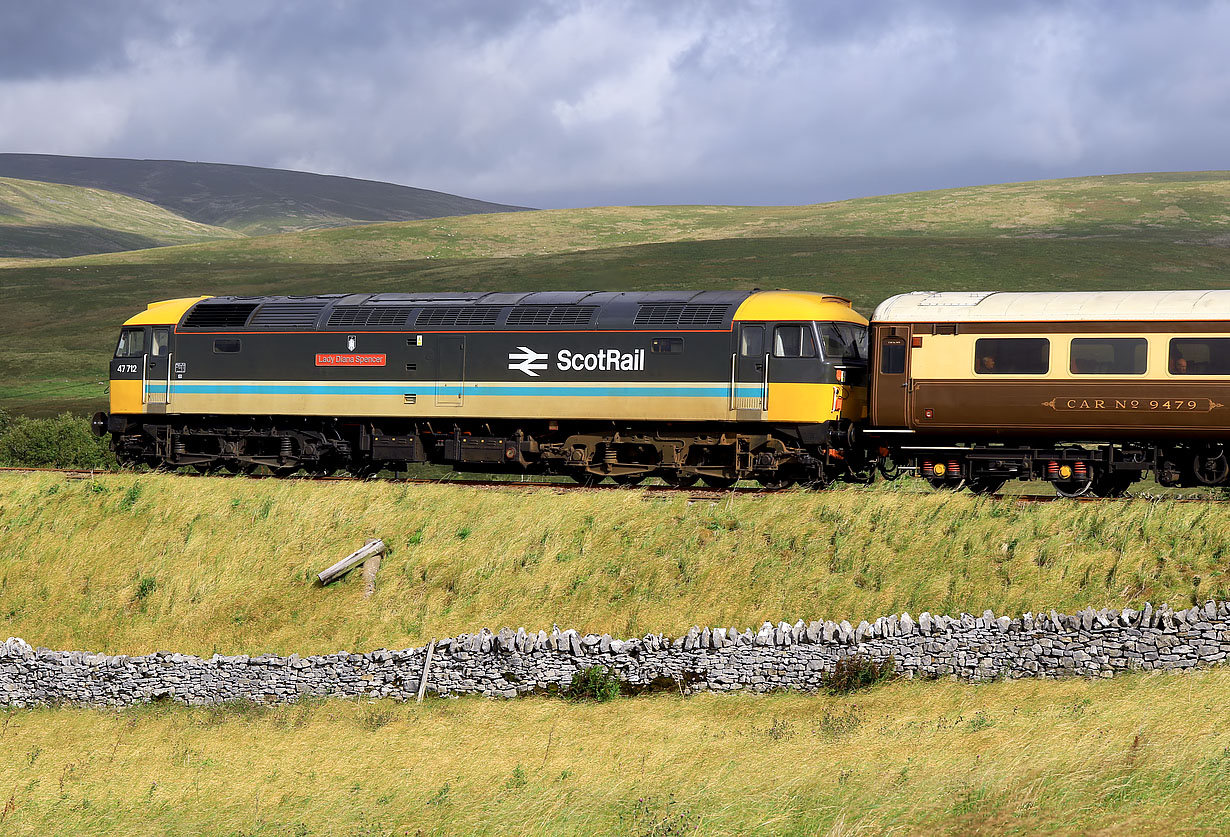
{"type": "Point", "coordinates": [1178, 364]}
{"type": "Point", "coordinates": [986, 364]}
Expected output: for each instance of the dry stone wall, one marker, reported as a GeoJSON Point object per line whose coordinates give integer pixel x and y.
{"type": "Point", "coordinates": [507, 664]}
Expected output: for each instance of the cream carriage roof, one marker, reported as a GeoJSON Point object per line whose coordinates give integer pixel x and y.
{"type": "Point", "coordinates": [992, 306]}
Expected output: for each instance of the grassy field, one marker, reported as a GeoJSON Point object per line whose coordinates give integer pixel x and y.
{"type": "Point", "coordinates": [50, 220]}
{"type": "Point", "coordinates": [139, 563]}
{"type": "Point", "coordinates": [1088, 757]}
{"type": "Point", "coordinates": [60, 319]}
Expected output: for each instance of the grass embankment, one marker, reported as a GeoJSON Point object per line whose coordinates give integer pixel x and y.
{"type": "Point", "coordinates": [137, 563]}
{"type": "Point", "coordinates": [59, 320]}
{"type": "Point", "coordinates": [1142, 754]}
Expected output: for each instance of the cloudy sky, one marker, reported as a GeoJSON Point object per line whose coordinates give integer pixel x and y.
{"type": "Point", "coordinates": [582, 103]}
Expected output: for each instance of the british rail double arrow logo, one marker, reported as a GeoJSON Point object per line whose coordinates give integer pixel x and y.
{"type": "Point", "coordinates": [527, 360]}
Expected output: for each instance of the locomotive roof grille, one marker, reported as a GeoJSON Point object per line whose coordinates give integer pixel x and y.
{"type": "Point", "coordinates": [480, 316]}
{"type": "Point", "coordinates": [681, 315]}
{"type": "Point", "coordinates": [363, 316]}
{"type": "Point", "coordinates": [219, 315]}
{"type": "Point", "coordinates": [287, 315]}
{"type": "Point", "coordinates": [550, 316]}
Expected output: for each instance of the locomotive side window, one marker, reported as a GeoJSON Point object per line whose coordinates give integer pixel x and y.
{"type": "Point", "coordinates": [1012, 356]}
{"type": "Point", "coordinates": [667, 346]}
{"type": "Point", "coordinates": [1108, 356]}
{"type": "Point", "coordinates": [226, 345]}
{"type": "Point", "coordinates": [793, 341]}
{"type": "Point", "coordinates": [1200, 356]}
{"type": "Point", "coordinates": [752, 341]}
{"type": "Point", "coordinates": [132, 343]}
{"type": "Point", "coordinates": [162, 339]}
{"type": "Point", "coordinates": [892, 356]}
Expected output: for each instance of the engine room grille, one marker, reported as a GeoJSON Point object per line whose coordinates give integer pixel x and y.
{"type": "Point", "coordinates": [364, 316]}
{"type": "Point", "coordinates": [219, 315]}
{"type": "Point", "coordinates": [481, 316]}
{"type": "Point", "coordinates": [679, 314]}
{"type": "Point", "coordinates": [286, 315]}
{"type": "Point", "coordinates": [550, 316]}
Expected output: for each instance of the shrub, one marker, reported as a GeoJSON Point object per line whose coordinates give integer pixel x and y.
{"type": "Point", "coordinates": [859, 671]}
{"type": "Point", "coordinates": [595, 683]}
{"type": "Point", "coordinates": [64, 441]}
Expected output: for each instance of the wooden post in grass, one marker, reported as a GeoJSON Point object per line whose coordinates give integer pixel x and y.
{"type": "Point", "coordinates": [431, 649]}
{"type": "Point", "coordinates": [371, 566]}
{"type": "Point", "coordinates": [373, 548]}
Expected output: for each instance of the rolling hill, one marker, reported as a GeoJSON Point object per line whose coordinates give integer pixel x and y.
{"type": "Point", "coordinates": [50, 220]}
{"type": "Point", "coordinates": [1148, 231]}
{"type": "Point", "coordinates": [251, 200]}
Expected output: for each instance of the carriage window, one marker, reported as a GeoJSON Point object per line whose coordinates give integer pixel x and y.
{"type": "Point", "coordinates": [892, 356]}
{"type": "Point", "coordinates": [751, 341]}
{"type": "Point", "coordinates": [162, 339]}
{"type": "Point", "coordinates": [1108, 356]}
{"type": "Point", "coordinates": [1012, 356]}
{"type": "Point", "coordinates": [226, 345]}
{"type": "Point", "coordinates": [793, 341]}
{"type": "Point", "coordinates": [132, 343]}
{"type": "Point", "coordinates": [1200, 356]}
{"type": "Point", "coordinates": [667, 346]}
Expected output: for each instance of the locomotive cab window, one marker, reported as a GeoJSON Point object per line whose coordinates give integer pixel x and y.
{"type": "Point", "coordinates": [1199, 356]}
{"type": "Point", "coordinates": [667, 346]}
{"type": "Point", "coordinates": [132, 343]}
{"type": "Point", "coordinates": [1012, 356]}
{"type": "Point", "coordinates": [1108, 356]}
{"type": "Point", "coordinates": [843, 342]}
{"type": "Point", "coordinates": [892, 356]}
{"type": "Point", "coordinates": [751, 341]}
{"type": "Point", "coordinates": [793, 341]}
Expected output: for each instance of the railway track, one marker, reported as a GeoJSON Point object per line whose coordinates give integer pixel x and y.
{"type": "Point", "coordinates": [693, 493]}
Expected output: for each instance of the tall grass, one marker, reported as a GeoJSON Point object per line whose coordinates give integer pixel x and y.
{"type": "Point", "coordinates": [136, 563]}
{"type": "Point", "coordinates": [1139, 754]}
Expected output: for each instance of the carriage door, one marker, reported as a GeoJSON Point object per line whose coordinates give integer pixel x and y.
{"type": "Point", "coordinates": [890, 385]}
{"type": "Point", "coordinates": [156, 380]}
{"type": "Point", "coordinates": [749, 371]}
{"type": "Point", "coordinates": [450, 369]}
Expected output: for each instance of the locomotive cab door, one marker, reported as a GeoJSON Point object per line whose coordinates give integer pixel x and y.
{"type": "Point", "coordinates": [450, 369]}
{"type": "Point", "coordinates": [156, 377]}
{"type": "Point", "coordinates": [749, 372]}
{"type": "Point", "coordinates": [890, 385]}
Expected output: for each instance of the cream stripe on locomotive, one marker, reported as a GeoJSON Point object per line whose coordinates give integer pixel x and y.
{"type": "Point", "coordinates": [633, 401]}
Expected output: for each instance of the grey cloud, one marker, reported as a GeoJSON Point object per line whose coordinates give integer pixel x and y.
{"type": "Point", "coordinates": [586, 103]}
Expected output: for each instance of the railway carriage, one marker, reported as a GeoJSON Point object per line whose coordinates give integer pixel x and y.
{"type": "Point", "coordinates": [683, 385]}
{"type": "Point", "coordinates": [1087, 390]}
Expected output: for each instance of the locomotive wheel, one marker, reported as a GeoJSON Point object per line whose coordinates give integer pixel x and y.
{"type": "Point", "coordinates": [629, 479]}
{"type": "Point", "coordinates": [775, 483]}
{"type": "Point", "coordinates": [1111, 485]}
{"type": "Point", "coordinates": [985, 484]}
{"type": "Point", "coordinates": [282, 473]}
{"type": "Point", "coordinates": [947, 485]}
{"type": "Point", "coordinates": [585, 478]}
{"type": "Point", "coordinates": [720, 483]}
{"type": "Point", "coordinates": [1072, 490]}
{"type": "Point", "coordinates": [678, 480]}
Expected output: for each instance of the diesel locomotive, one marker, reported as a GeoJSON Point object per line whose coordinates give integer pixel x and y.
{"type": "Point", "coordinates": [1089, 391]}
{"type": "Point", "coordinates": [713, 386]}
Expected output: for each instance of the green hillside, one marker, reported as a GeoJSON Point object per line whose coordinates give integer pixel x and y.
{"type": "Point", "coordinates": [50, 220]}
{"type": "Point", "coordinates": [252, 200]}
{"type": "Point", "coordinates": [1152, 231]}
